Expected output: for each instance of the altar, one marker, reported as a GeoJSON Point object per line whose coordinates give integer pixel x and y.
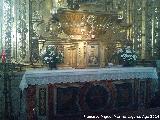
{"type": "Point", "coordinates": [49, 94]}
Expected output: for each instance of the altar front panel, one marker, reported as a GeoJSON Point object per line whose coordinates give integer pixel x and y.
{"type": "Point", "coordinates": [77, 99]}
{"type": "Point", "coordinates": [58, 94]}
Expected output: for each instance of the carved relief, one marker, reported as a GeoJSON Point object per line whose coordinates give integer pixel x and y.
{"type": "Point", "coordinates": [22, 30]}
{"type": "Point", "coordinates": [86, 24]}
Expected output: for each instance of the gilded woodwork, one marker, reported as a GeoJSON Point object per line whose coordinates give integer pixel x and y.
{"type": "Point", "coordinates": [112, 24]}
{"type": "Point", "coordinates": [7, 28]}
{"type": "Point", "coordinates": [85, 23]}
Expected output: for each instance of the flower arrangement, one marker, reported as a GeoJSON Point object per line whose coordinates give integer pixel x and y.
{"type": "Point", "coordinates": [52, 56]}
{"type": "Point", "coordinates": [127, 56]}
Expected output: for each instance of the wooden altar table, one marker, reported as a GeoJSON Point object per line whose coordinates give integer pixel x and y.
{"type": "Point", "coordinates": [48, 94]}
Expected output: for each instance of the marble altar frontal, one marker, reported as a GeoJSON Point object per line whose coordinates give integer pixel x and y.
{"type": "Point", "coordinates": [56, 93]}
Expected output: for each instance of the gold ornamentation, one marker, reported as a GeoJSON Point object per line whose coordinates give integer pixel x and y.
{"type": "Point", "coordinates": [85, 23]}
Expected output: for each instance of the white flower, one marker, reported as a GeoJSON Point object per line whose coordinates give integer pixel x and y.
{"type": "Point", "coordinates": [50, 46]}
{"type": "Point", "coordinates": [134, 57]}
{"type": "Point", "coordinates": [127, 54]}
{"type": "Point", "coordinates": [46, 58]}
{"type": "Point", "coordinates": [128, 51]}
{"type": "Point", "coordinates": [128, 48]}
{"type": "Point", "coordinates": [119, 50]}
{"type": "Point", "coordinates": [122, 55]}
{"type": "Point", "coordinates": [43, 52]}
{"type": "Point", "coordinates": [51, 54]}
{"type": "Point", "coordinates": [61, 54]}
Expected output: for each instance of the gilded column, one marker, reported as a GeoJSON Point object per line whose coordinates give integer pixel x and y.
{"type": "Point", "coordinates": [23, 32]}
{"type": "Point", "coordinates": [157, 33]}
{"type": "Point", "coordinates": [102, 54]}
{"type": "Point", "coordinates": [7, 28]}
{"type": "Point", "coordinates": [14, 33]}
{"type": "Point", "coordinates": [156, 30]}
{"type": "Point", "coordinates": [152, 29]}
{"type": "Point", "coordinates": [149, 29]}
{"type": "Point", "coordinates": [137, 27]}
{"type": "Point", "coordinates": [129, 17]}
{"type": "Point", "coordinates": [1, 18]}
{"type": "Point", "coordinates": [143, 29]}
{"type": "Point", "coordinates": [40, 25]}
{"type": "Point", "coordinates": [80, 55]}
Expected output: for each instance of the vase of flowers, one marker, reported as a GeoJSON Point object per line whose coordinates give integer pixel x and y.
{"type": "Point", "coordinates": [127, 56]}
{"type": "Point", "coordinates": [52, 57]}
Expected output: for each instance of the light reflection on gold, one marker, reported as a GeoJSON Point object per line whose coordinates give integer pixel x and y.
{"type": "Point", "coordinates": [86, 24]}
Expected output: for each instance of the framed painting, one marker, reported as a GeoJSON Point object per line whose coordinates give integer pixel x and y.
{"type": "Point", "coordinates": [42, 101]}
{"type": "Point", "coordinates": [124, 96]}
{"type": "Point", "coordinates": [92, 55]}
{"type": "Point", "coordinates": [67, 101]}
{"type": "Point", "coordinates": [94, 98]}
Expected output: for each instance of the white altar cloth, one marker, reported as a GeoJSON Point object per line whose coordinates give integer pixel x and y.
{"type": "Point", "coordinates": [43, 77]}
